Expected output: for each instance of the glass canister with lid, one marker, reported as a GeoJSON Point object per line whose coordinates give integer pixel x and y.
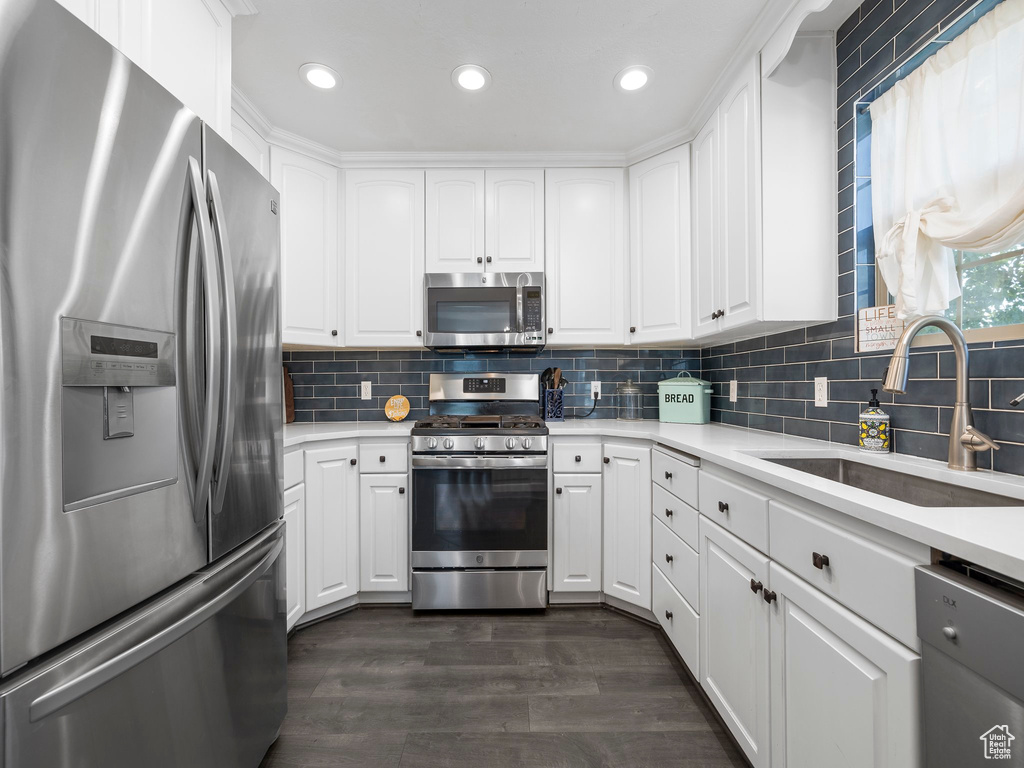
{"type": "Point", "coordinates": [630, 401]}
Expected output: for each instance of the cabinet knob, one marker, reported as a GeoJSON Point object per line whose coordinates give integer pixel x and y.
{"type": "Point", "coordinates": [550, 331]}
{"type": "Point", "coordinates": [558, 491]}
{"type": "Point", "coordinates": [401, 490]}
{"type": "Point", "coordinates": [607, 460]}
{"type": "Point", "coordinates": [723, 507]}
{"type": "Point", "coordinates": [668, 475]}
{"type": "Point", "coordinates": [756, 586]}
{"type": "Point", "coordinates": [632, 329]}
{"type": "Point", "coordinates": [489, 259]}
{"type": "Point", "coordinates": [334, 333]}
{"type": "Point", "coordinates": [383, 459]}
{"type": "Point", "coordinates": [769, 597]}
{"type": "Point", "coordinates": [669, 558]}
{"type": "Point", "coordinates": [949, 633]}
{"type": "Point", "coordinates": [479, 259]}
{"type": "Point", "coordinates": [579, 459]}
{"type": "Point", "coordinates": [352, 462]}
{"type": "Point", "coordinates": [419, 333]}
{"type": "Point", "coordinates": [819, 561]}
{"type": "Point", "coordinates": [668, 615]}
{"type": "Point", "coordinates": [668, 512]}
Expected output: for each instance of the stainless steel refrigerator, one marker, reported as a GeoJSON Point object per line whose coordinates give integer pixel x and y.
{"type": "Point", "coordinates": [142, 618]}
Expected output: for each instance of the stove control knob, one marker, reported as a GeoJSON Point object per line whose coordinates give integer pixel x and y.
{"type": "Point", "coordinates": [510, 443]}
{"type": "Point", "coordinates": [527, 442]}
{"type": "Point", "coordinates": [480, 443]}
{"type": "Point", "coordinates": [449, 443]}
{"type": "Point", "coordinates": [431, 443]}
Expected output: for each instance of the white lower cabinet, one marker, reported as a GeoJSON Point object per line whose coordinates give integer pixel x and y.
{"type": "Point", "coordinates": [680, 622]}
{"type": "Point", "coordinates": [295, 553]}
{"type": "Point", "coordinates": [627, 523]}
{"type": "Point", "coordinates": [383, 533]}
{"type": "Point", "coordinates": [576, 558]}
{"type": "Point", "coordinates": [843, 692]}
{"type": "Point", "coordinates": [734, 651]}
{"type": "Point", "coordinates": [332, 525]}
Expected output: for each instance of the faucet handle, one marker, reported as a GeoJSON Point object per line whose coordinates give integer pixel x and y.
{"type": "Point", "coordinates": [974, 439]}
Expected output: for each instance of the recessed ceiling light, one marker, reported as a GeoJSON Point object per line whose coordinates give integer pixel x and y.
{"type": "Point", "coordinates": [319, 76]}
{"type": "Point", "coordinates": [470, 77]}
{"type": "Point", "coordinates": [633, 78]}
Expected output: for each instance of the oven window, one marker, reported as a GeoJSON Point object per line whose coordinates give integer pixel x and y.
{"type": "Point", "coordinates": [458, 510]}
{"type": "Point", "coordinates": [472, 310]}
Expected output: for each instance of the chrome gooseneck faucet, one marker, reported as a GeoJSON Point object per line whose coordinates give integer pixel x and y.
{"type": "Point", "coordinates": [965, 441]}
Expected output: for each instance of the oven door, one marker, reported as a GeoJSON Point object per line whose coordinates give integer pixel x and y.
{"type": "Point", "coordinates": [479, 512]}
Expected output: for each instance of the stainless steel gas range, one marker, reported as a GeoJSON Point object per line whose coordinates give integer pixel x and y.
{"type": "Point", "coordinates": [480, 494]}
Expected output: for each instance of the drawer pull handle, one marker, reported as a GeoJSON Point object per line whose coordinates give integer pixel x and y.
{"type": "Point", "coordinates": [668, 615]}
{"type": "Point", "coordinates": [669, 558]}
{"type": "Point", "coordinates": [383, 459]}
{"type": "Point", "coordinates": [819, 561]}
{"type": "Point", "coordinates": [723, 507]}
{"type": "Point", "coordinates": [769, 597]}
{"type": "Point", "coordinates": [558, 491]}
{"type": "Point", "coordinates": [401, 490]}
{"type": "Point", "coordinates": [668, 475]}
{"type": "Point", "coordinates": [668, 512]}
{"type": "Point", "coordinates": [607, 460]}
{"type": "Point", "coordinates": [756, 586]}
{"type": "Point", "coordinates": [352, 462]}
{"type": "Point", "coordinates": [579, 459]}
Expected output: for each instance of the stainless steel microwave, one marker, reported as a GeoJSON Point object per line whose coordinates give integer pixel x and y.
{"type": "Point", "coordinates": [484, 310]}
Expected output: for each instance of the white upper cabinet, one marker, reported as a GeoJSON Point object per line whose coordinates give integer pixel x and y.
{"type": "Point", "coordinates": [705, 228]}
{"type": "Point", "coordinates": [659, 254]}
{"type": "Point", "coordinates": [455, 220]}
{"type": "Point", "coordinates": [514, 220]}
{"type": "Point", "coordinates": [627, 523]}
{"type": "Point", "coordinates": [309, 247]}
{"type": "Point", "coordinates": [585, 264]}
{"type": "Point", "coordinates": [384, 258]}
{"type": "Point", "coordinates": [250, 145]}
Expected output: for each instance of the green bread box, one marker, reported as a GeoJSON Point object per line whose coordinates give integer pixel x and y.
{"type": "Point", "coordinates": [684, 400]}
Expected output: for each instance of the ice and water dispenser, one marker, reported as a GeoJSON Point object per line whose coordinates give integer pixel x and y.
{"type": "Point", "coordinates": [118, 412]}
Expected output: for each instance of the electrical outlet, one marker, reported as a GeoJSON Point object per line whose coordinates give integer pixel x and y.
{"type": "Point", "coordinates": [732, 390]}
{"type": "Point", "coordinates": [820, 391]}
{"type": "Point", "coordinates": [366, 391]}
{"type": "Point", "coordinates": [595, 390]}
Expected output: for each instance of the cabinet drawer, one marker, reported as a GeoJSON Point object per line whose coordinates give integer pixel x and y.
{"type": "Point", "coordinates": [577, 458]}
{"type": "Point", "coordinates": [292, 468]}
{"type": "Point", "coordinates": [737, 509]}
{"type": "Point", "coordinates": [677, 618]}
{"type": "Point", "coordinates": [675, 475]}
{"type": "Point", "coordinates": [383, 457]}
{"type": "Point", "coordinates": [677, 561]}
{"type": "Point", "coordinates": [679, 516]}
{"type": "Point", "coordinates": [869, 579]}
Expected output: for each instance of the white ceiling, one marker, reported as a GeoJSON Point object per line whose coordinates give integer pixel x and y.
{"type": "Point", "coordinates": [552, 64]}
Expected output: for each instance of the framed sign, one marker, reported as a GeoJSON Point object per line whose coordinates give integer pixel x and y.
{"type": "Point", "coordinates": [878, 329]}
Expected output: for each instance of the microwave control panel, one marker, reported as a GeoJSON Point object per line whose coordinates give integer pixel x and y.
{"type": "Point", "coordinates": [533, 310]}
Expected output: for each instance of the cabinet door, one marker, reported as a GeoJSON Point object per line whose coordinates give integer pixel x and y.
{"type": "Point", "coordinates": [577, 534]}
{"type": "Point", "coordinates": [455, 221]}
{"type": "Point", "coordinates": [585, 261]}
{"type": "Point", "coordinates": [843, 692]}
{"type": "Point", "coordinates": [384, 258]}
{"type": "Point", "coordinates": [250, 144]}
{"type": "Point", "coordinates": [309, 247]}
{"type": "Point", "coordinates": [332, 525]}
{"type": "Point", "coordinates": [627, 523]}
{"type": "Point", "coordinates": [102, 16]}
{"type": "Point", "coordinates": [295, 553]}
{"type": "Point", "coordinates": [659, 253]}
{"type": "Point", "coordinates": [740, 182]}
{"type": "Point", "coordinates": [734, 661]}
{"type": "Point", "coordinates": [705, 229]}
{"type": "Point", "coordinates": [515, 220]}
{"type": "Point", "coordinates": [383, 533]}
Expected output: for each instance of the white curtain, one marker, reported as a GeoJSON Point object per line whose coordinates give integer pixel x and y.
{"type": "Point", "coordinates": [947, 161]}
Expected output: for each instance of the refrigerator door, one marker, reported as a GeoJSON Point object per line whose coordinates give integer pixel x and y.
{"type": "Point", "coordinates": [195, 678]}
{"type": "Point", "coordinates": [96, 224]}
{"type": "Point", "coordinates": [248, 475]}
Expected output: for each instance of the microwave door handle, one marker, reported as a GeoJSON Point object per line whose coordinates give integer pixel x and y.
{"type": "Point", "coordinates": [519, 311]}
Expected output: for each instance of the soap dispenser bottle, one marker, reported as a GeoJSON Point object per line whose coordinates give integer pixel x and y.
{"type": "Point", "coordinates": [874, 427]}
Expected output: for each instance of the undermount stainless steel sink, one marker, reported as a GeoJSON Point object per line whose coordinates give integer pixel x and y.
{"type": "Point", "coordinates": [912, 489]}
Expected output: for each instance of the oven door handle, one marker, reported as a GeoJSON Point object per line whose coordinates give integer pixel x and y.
{"type": "Point", "coordinates": [480, 462]}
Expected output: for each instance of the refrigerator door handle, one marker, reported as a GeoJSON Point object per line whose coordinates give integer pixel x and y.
{"type": "Point", "coordinates": [194, 206]}
{"type": "Point", "coordinates": [225, 437]}
{"type": "Point", "coordinates": [68, 692]}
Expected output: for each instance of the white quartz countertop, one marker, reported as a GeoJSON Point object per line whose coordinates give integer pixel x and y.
{"type": "Point", "coordinates": [990, 536]}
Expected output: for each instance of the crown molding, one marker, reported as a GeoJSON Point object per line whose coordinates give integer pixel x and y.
{"type": "Point", "coordinates": [657, 146]}
{"type": "Point", "coordinates": [249, 112]}
{"type": "Point", "coordinates": [240, 7]}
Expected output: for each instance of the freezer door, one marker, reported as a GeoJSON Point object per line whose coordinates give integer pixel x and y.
{"type": "Point", "coordinates": [248, 476]}
{"type": "Point", "coordinates": [197, 679]}
{"type": "Point", "coordinates": [95, 221]}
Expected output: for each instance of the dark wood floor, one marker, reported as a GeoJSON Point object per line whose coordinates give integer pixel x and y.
{"type": "Point", "coordinates": [571, 687]}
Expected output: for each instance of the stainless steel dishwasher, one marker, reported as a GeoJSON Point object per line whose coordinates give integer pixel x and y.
{"type": "Point", "coordinates": [971, 624]}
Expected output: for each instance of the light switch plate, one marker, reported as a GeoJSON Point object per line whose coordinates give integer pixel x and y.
{"type": "Point", "coordinates": [366, 391]}
{"type": "Point", "coordinates": [595, 390]}
{"type": "Point", "coordinates": [820, 391]}
{"type": "Point", "coordinates": [732, 390]}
